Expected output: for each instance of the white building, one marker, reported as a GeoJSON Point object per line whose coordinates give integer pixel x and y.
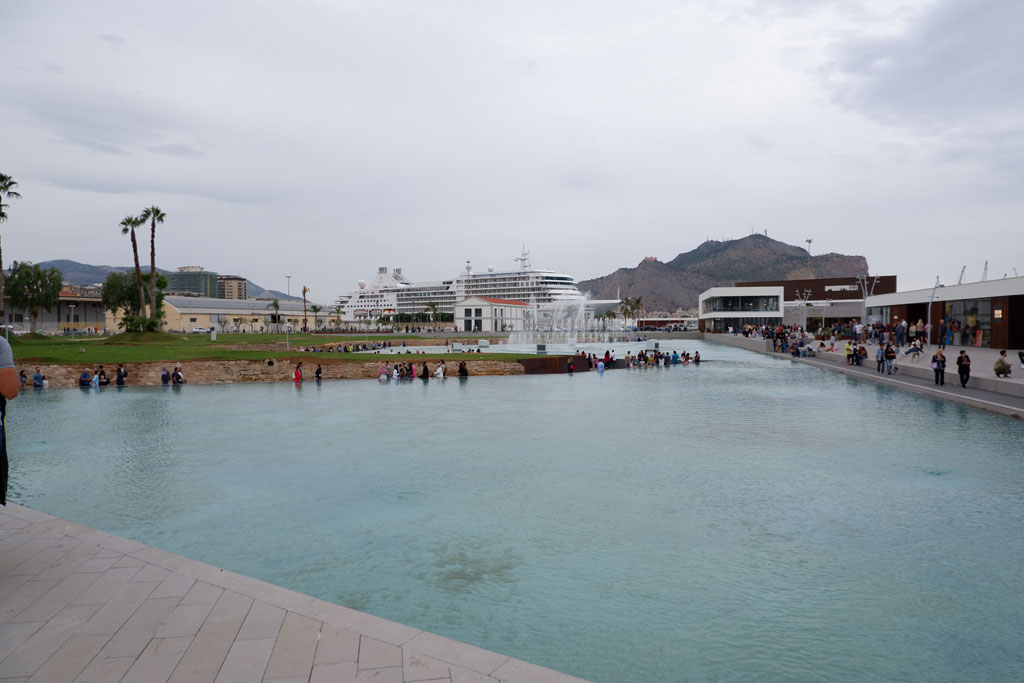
{"type": "Point", "coordinates": [488, 314]}
{"type": "Point", "coordinates": [724, 307]}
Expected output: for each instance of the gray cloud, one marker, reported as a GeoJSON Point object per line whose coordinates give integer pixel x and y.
{"type": "Point", "coordinates": [178, 150]}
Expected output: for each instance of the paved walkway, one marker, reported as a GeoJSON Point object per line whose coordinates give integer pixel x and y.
{"type": "Point", "coordinates": [84, 606]}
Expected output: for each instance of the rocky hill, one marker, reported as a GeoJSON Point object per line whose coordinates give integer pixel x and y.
{"type": "Point", "coordinates": [668, 287]}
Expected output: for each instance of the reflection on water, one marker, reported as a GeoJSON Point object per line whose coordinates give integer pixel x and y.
{"type": "Point", "coordinates": [746, 519]}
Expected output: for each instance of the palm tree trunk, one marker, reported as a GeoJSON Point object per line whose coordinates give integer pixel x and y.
{"type": "Point", "coordinates": [154, 314]}
{"type": "Point", "coordinates": [138, 274]}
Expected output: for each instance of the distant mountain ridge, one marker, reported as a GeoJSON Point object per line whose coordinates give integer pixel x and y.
{"type": "Point", "coordinates": [678, 284]}
{"type": "Point", "coordinates": [83, 274]}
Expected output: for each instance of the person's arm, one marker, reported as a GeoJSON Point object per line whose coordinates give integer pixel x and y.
{"type": "Point", "coordinates": [10, 383]}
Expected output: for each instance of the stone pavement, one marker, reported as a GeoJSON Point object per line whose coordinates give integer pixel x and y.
{"type": "Point", "coordinates": [83, 606]}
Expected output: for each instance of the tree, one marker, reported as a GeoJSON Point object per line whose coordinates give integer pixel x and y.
{"type": "Point", "coordinates": [120, 295]}
{"type": "Point", "coordinates": [276, 305]}
{"type": "Point", "coordinates": [432, 307]}
{"type": "Point", "coordinates": [31, 288]}
{"type": "Point", "coordinates": [337, 319]}
{"type": "Point", "coordinates": [154, 215]}
{"type": "Point", "coordinates": [304, 290]}
{"type": "Point", "coordinates": [316, 309]}
{"type": "Point", "coordinates": [7, 185]}
{"type": "Point", "coordinates": [128, 225]}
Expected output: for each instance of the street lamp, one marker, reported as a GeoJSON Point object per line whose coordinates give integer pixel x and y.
{"type": "Point", "coordinates": [287, 342]}
{"type": "Point", "coordinates": [867, 288]}
{"type": "Point", "coordinates": [71, 307]}
{"type": "Point", "coordinates": [802, 296]}
{"type": "Point", "coordinates": [289, 278]}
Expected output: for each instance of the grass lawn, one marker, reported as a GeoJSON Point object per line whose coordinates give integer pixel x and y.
{"type": "Point", "coordinates": [170, 348]}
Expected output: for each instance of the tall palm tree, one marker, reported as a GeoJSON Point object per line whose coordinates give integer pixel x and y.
{"type": "Point", "coordinates": [276, 305]}
{"type": "Point", "coordinates": [316, 309]}
{"type": "Point", "coordinates": [337, 318]}
{"type": "Point", "coordinates": [304, 290]}
{"type": "Point", "coordinates": [128, 225]}
{"type": "Point", "coordinates": [154, 215]}
{"type": "Point", "coordinates": [7, 185]}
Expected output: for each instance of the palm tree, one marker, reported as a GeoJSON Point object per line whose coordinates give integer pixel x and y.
{"type": "Point", "coordinates": [316, 309]}
{"type": "Point", "coordinates": [128, 225]}
{"type": "Point", "coordinates": [154, 215]}
{"type": "Point", "coordinates": [7, 185]}
{"type": "Point", "coordinates": [432, 306]}
{"type": "Point", "coordinates": [276, 305]}
{"type": "Point", "coordinates": [337, 319]}
{"type": "Point", "coordinates": [304, 290]}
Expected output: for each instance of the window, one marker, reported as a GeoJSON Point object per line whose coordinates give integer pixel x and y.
{"type": "Point", "coordinates": [469, 313]}
{"type": "Point", "coordinates": [479, 312]}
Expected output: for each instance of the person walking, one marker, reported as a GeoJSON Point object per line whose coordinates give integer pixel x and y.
{"type": "Point", "coordinates": [879, 359]}
{"type": "Point", "coordinates": [963, 368]}
{"type": "Point", "coordinates": [943, 331]}
{"type": "Point", "coordinates": [122, 375]}
{"type": "Point", "coordinates": [939, 366]}
{"type": "Point", "coordinates": [890, 357]}
{"type": "Point", "coordinates": [297, 376]}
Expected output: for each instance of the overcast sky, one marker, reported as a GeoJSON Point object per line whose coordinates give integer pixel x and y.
{"type": "Point", "coordinates": [323, 139]}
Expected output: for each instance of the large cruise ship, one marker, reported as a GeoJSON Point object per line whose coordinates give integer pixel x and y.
{"type": "Point", "coordinates": [391, 293]}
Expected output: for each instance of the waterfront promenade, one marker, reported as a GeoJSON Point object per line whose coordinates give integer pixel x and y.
{"type": "Point", "coordinates": [83, 606]}
{"type": "Point", "coordinates": [1003, 395]}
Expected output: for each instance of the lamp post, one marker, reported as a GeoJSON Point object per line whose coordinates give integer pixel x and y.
{"type": "Point", "coordinates": [71, 307]}
{"type": "Point", "coordinates": [928, 323]}
{"type": "Point", "coordinates": [867, 288]}
{"type": "Point", "coordinates": [287, 341]}
{"type": "Point", "coordinates": [802, 295]}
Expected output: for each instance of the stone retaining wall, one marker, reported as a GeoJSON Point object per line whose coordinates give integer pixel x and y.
{"type": "Point", "coordinates": [230, 371]}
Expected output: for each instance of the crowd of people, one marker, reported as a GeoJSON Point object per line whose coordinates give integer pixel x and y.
{"type": "Point", "coordinates": [408, 371]}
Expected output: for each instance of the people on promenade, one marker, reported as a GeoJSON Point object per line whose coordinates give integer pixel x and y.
{"type": "Point", "coordinates": [122, 375]}
{"type": "Point", "coordinates": [915, 349]}
{"type": "Point", "coordinates": [963, 368]}
{"type": "Point", "coordinates": [890, 358]}
{"type": "Point", "coordinates": [943, 331]}
{"type": "Point", "coordinates": [879, 359]}
{"type": "Point", "coordinates": [1002, 366]}
{"type": "Point", "coordinates": [10, 386]}
{"type": "Point", "coordinates": [939, 366]}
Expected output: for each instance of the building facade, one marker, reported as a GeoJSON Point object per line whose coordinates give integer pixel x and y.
{"type": "Point", "coordinates": [232, 287]}
{"type": "Point", "coordinates": [489, 314]}
{"type": "Point", "coordinates": [723, 307]}
{"type": "Point", "coordinates": [192, 280]}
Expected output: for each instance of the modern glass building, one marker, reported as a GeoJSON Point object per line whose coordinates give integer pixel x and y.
{"type": "Point", "coordinates": [192, 280]}
{"type": "Point", "coordinates": [724, 307]}
{"type": "Point", "coordinates": [986, 314]}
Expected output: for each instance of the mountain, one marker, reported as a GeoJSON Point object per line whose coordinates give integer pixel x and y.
{"type": "Point", "coordinates": [85, 274]}
{"type": "Point", "coordinates": [678, 284]}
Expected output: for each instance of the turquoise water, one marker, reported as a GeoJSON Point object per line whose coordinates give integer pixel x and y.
{"type": "Point", "coordinates": [746, 519]}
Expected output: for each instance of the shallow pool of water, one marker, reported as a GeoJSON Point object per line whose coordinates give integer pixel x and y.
{"type": "Point", "coordinates": [749, 518]}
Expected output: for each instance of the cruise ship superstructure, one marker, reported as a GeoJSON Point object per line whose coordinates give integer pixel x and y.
{"type": "Point", "coordinates": [391, 293]}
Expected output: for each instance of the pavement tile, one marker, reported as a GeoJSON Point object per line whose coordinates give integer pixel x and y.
{"type": "Point", "coordinates": [23, 596]}
{"type": "Point", "coordinates": [231, 607]}
{"type": "Point", "coordinates": [518, 671]}
{"type": "Point", "coordinates": [374, 654]}
{"type": "Point", "coordinates": [132, 638]}
{"type": "Point", "coordinates": [185, 620]}
{"type": "Point", "coordinates": [97, 565]}
{"type": "Point", "coordinates": [150, 572]}
{"type": "Point", "coordinates": [206, 653]}
{"type": "Point", "coordinates": [158, 660]}
{"type": "Point", "coordinates": [202, 592]}
{"type": "Point", "coordinates": [246, 661]}
{"type": "Point", "coordinates": [454, 652]}
{"type": "Point", "coordinates": [419, 667]}
{"type": "Point", "coordinates": [289, 679]}
{"type": "Point", "coordinates": [121, 545]}
{"type": "Point", "coordinates": [38, 561]}
{"type": "Point", "coordinates": [174, 586]}
{"type": "Point", "coordinates": [107, 552]}
{"type": "Point", "coordinates": [263, 621]}
{"type": "Point", "coordinates": [460, 675]}
{"type": "Point", "coordinates": [28, 514]}
{"type": "Point", "coordinates": [160, 558]}
{"type": "Point", "coordinates": [34, 652]}
{"type": "Point", "coordinates": [105, 670]}
{"type": "Point", "coordinates": [69, 661]}
{"type": "Point", "coordinates": [57, 598]}
{"type": "Point", "coordinates": [295, 647]}
{"type": "Point", "coordinates": [71, 562]}
{"type": "Point", "coordinates": [336, 646]}
{"type": "Point", "coordinates": [129, 561]}
{"type": "Point", "coordinates": [105, 587]}
{"type": "Point", "coordinates": [275, 595]}
{"type": "Point", "coordinates": [113, 614]}
{"type": "Point", "coordinates": [11, 583]}
{"type": "Point", "coordinates": [367, 624]}
{"type": "Point", "coordinates": [13, 635]}
{"type": "Point", "coordinates": [341, 672]}
{"type": "Point", "coordinates": [392, 675]}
